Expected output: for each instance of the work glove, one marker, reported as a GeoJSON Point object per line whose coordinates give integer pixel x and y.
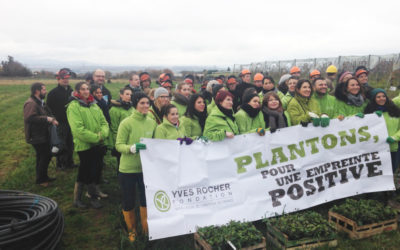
{"type": "Point", "coordinates": [260, 131]}
{"type": "Point", "coordinates": [135, 148]}
{"type": "Point", "coordinates": [378, 113]}
{"type": "Point", "coordinates": [316, 121]}
{"type": "Point", "coordinates": [185, 139]}
{"type": "Point", "coordinates": [390, 139]}
{"type": "Point", "coordinates": [361, 115]}
{"type": "Point", "coordinates": [325, 120]}
{"type": "Point", "coordinates": [202, 139]}
{"type": "Point", "coordinates": [304, 124]}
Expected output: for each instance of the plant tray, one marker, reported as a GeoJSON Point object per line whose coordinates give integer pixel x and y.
{"type": "Point", "coordinates": [281, 240]}
{"type": "Point", "coordinates": [360, 232]}
{"type": "Point", "coordinates": [199, 243]}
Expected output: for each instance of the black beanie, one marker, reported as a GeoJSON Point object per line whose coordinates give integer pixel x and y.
{"type": "Point", "coordinates": [216, 88]}
{"type": "Point", "coordinates": [247, 96]}
{"type": "Point", "coordinates": [136, 98]}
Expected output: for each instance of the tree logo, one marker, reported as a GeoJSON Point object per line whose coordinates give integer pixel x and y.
{"type": "Point", "coordinates": [162, 201]}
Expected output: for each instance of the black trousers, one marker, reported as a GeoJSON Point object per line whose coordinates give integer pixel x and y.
{"type": "Point", "coordinates": [43, 157]}
{"type": "Point", "coordinates": [128, 184]}
{"type": "Point", "coordinates": [64, 159]}
{"type": "Point", "coordinates": [90, 165]}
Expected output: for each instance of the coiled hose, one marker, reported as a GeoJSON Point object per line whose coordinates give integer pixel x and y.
{"type": "Point", "coordinates": [29, 221]}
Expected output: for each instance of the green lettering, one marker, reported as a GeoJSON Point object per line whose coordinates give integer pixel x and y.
{"type": "Point", "coordinates": [241, 162]}
{"type": "Point", "coordinates": [278, 153]}
{"type": "Point", "coordinates": [362, 131]}
{"type": "Point", "coordinates": [333, 141]}
{"type": "Point", "coordinates": [350, 138]}
{"type": "Point", "coordinates": [312, 142]}
{"type": "Point", "coordinates": [294, 149]}
{"type": "Point", "coordinates": [259, 163]}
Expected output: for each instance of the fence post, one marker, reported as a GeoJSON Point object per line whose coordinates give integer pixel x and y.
{"type": "Point", "coordinates": [369, 61]}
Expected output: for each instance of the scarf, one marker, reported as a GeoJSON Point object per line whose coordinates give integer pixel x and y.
{"type": "Point", "coordinates": [179, 98]}
{"type": "Point", "coordinates": [227, 112]}
{"type": "Point", "coordinates": [356, 100]}
{"type": "Point", "coordinates": [202, 116]}
{"type": "Point", "coordinates": [271, 90]}
{"type": "Point", "coordinates": [274, 119]}
{"type": "Point", "coordinates": [88, 101]}
{"type": "Point", "coordinates": [252, 112]}
{"type": "Point", "coordinates": [125, 105]}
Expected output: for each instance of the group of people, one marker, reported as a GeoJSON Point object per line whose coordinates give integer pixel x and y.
{"type": "Point", "coordinates": [90, 120]}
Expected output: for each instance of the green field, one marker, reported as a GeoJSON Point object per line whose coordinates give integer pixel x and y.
{"type": "Point", "coordinates": [89, 228]}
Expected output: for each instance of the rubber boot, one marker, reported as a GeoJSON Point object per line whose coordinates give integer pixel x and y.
{"type": "Point", "coordinates": [130, 221]}
{"type": "Point", "coordinates": [78, 190]}
{"type": "Point", "coordinates": [99, 193]}
{"type": "Point", "coordinates": [94, 202]}
{"type": "Point", "coordinates": [143, 219]}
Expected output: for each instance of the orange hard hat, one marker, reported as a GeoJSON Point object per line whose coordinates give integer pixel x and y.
{"type": "Point", "coordinates": [360, 72]}
{"type": "Point", "coordinates": [245, 72]}
{"type": "Point", "coordinates": [295, 69]}
{"type": "Point", "coordinates": [258, 77]}
{"type": "Point", "coordinates": [315, 72]}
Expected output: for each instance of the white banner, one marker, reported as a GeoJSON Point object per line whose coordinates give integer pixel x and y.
{"type": "Point", "coordinates": [252, 177]}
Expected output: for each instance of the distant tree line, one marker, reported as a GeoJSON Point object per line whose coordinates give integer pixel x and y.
{"type": "Point", "coordinates": [12, 68]}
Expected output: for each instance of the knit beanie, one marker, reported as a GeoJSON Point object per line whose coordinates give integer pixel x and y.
{"type": "Point", "coordinates": [210, 84]}
{"type": "Point", "coordinates": [136, 98]}
{"type": "Point", "coordinates": [374, 92]}
{"type": "Point", "coordinates": [247, 96]}
{"type": "Point", "coordinates": [159, 91]}
{"type": "Point", "coordinates": [222, 95]}
{"type": "Point", "coordinates": [284, 78]}
{"type": "Point", "coordinates": [216, 88]}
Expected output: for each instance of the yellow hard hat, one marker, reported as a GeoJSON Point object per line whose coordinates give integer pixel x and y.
{"type": "Point", "coordinates": [331, 69]}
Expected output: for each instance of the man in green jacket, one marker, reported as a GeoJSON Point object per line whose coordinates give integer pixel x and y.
{"type": "Point", "coordinates": [327, 103]}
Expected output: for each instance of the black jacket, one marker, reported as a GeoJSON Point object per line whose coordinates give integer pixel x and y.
{"type": "Point", "coordinates": [105, 108]}
{"type": "Point", "coordinates": [56, 101]}
{"type": "Point", "coordinates": [106, 95]}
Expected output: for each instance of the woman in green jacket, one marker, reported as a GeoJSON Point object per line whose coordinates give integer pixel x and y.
{"type": "Point", "coordinates": [136, 126]}
{"type": "Point", "coordinates": [350, 99]}
{"type": "Point", "coordinates": [89, 129]}
{"type": "Point", "coordinates": [291, 84]}
{"type": "Point", "coordinates": [221, 124]}
{"type": "Point", "coordinates": [120, 109]}
{"type": "Point", "coordinates": [195, 116]}
{"type": "Point", "coordinates": [381, 104]}
{"type": "Point", "coordinates": [302, 108]}
{"type": "Point", "coordinates": [274, 115]}
{"type": "Point", "coordinates": [170, 128]}
{"type": "Point", "coordinates": [181, 97]}
{"type": "Point", "coordinates": [250, 118]}
{"type": "Point", "coordinates": [161, 99]}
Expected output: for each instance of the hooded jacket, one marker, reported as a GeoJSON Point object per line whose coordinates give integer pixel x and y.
{"type": "Point", "coordinates": [327, 104]}
{"type": "Point", "coordinates": [35, 121]}
{"type": "Point", "coordinates": [86, 122]}
{"type": "Point", "coordinates": [117, 114]}
{"type": "Point", "coordinates": [298, 108]}
{"type": "Point", "coordinates": [179, 101]}
{"type": "Point", "coordinates": [57, 99]}
{"type": "Point", "coordinates": [166, 130]}
{"type": "Point", "coordinates": [130, 130]}
{"type": "Point", "coordinates": [286, 99]}
{"type": "Point", "coordinates": [192, 127]}
{"type": "Point", "coordinates": [217, 124]}
{"type": "Point", "coordinates": [247, 124]}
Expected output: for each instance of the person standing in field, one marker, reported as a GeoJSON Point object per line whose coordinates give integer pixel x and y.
{"type": "Point", "coordinates": [37, 119]}
{"type": "Point", "coordinates": [145, 80]}
{"type": "Point", "coordinates": [326, 102]}
{"type": "Point", "coordinates": [161, 99]}
{"type": "Point", "coordinates": [136, 126]}
{"type": "Point", "coordinates": [99, 77]}
{"type": "Point", "coordinates": [331, 74]}
{"type": "Point", "coordinates": [295, 71]}
{"type": "Point", "coordinates": [181, 97]}
{"type": "Point", "coordinates": [245, 82]}
{"type": "Point", "coordinates": [89, 129]}
{"type": "Point", "coordinates": [56, 101]}
{"type": "Point", "coordinates": [195, 117]}
{"type": "Point", "coordinates": [134, 84]}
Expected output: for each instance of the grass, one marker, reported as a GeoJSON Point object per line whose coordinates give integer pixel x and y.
{"type": "Point", "coordinates": [89, 228]}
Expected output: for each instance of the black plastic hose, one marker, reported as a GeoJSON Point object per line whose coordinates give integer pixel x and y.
{"type": "Point", "coordinates": [29, 221]}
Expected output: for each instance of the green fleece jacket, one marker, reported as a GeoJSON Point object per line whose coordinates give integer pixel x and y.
{"type": "Point", "coordinates": [211, 106]}
{"type": "Point", "coordinates": [246, 124]}
{"type": "Point", "coordinates": [327, 104]}
{"type": "Point", "coordinates": [181, 108]}
{"type": "Point", "coordinates": [130, 131]}
{"type": "Point", "coordinates": [285, 100]}
{"type": "Point", "coordinates": [86, 122]}
{"type": "Point", "coordinates": [298, 108]}
{"type": "Point", "coordinates": [261, 95]}
{"type": "Point", "coordinates": [192, 127]}
{"type": "Point", "coordinates": [345, 109]}
{"type": "Point", "coordinates": [117, 114]}
{"type": "Point", "coordinates": [396, 100]}
{"type": "Point", "coordinates": [166, 130]}
{"type": "Point", "coordinates": [393, 129]}
{"type": "Point", "coordinates": [217, 124]}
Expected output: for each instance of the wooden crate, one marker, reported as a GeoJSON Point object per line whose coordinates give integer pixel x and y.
{"type": "Point", "coordinates": [201, 244]}
{"type": "Point", "coordinates": [359, 232]}
{"type": "Point", "coordinates": [281, 240]}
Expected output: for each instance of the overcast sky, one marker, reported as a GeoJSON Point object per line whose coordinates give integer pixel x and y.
{"type": "Point", "coordinates": [203, 32]}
